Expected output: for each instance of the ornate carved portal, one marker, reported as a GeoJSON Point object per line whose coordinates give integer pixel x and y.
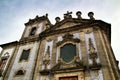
{"type": "Point", "coordinates": [69, 78]}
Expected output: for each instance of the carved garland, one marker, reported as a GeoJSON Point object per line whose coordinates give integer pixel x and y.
{"type": "Point", "coordinates": [93, 56]}
{"type": "Point", "coordinates": [68, 37]}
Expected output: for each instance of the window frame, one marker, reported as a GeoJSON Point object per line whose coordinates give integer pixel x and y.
{"type": "Point", "coordinates": [23, 60]}
{"type": "Point", "coordinates": [77, 52]}
{"type": "Point", "coordinates": [62, 50]}
{"type": "Point", "coordinates": [32, 30]}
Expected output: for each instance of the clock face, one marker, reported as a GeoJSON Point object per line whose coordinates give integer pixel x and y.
{"type": "Point", "coordinates": [67, 52]}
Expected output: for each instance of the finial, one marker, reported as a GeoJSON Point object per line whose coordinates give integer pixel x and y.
{"type": "Point", "coordinates": [30, 19]}
{"type": "Point", "coordinates": [68, 15]}
{"type": "Point", "coordinates": [79, 14]}
{"type": "Point", "coordinates": [91, 14]}
{"type": "Point", "coordinates": [46, 14]}
{"type": "Point", "coordinates": [57, 19]}
{"type": "Point", "coordinates": [37, 16]}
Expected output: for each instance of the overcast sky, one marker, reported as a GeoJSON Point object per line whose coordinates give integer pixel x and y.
{"type": "Point", "coordinates": [14, 13]}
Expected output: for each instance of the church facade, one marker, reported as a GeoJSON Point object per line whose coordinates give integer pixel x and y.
{"type": "Point", "coordinates": [71, 49]}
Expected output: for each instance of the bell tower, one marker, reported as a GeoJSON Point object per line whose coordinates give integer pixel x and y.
{"type": "Point", "coordinates": [35, 26]}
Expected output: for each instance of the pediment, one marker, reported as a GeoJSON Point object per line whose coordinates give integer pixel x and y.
{"type": "Point", "coordinates": [66, 25]}
{"type": "Point", "coordinates": [73, 24]}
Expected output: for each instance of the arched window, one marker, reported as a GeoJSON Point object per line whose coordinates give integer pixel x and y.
{"type": "Point", "coordinates": [20, 72]}
{"type": "Point", "coordinates": [67, 52]}
{"type": "Point", "coordinates": [33, 31]}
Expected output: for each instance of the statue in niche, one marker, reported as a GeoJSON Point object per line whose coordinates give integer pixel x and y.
{"type": "Point", "coordinates": [46, 59]}
{"type": "Point", "coordinates": [92, 52]}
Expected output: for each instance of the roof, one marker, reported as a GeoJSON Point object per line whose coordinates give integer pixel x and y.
{"type": "Point", "coordinates": [9, 44]}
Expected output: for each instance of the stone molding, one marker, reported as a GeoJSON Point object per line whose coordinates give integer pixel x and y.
{"type": "Point", "coordinates": [68, 37]}
{"type": "Point", "coordinates": [36, 20]}
{"type": "Point", "coordinates": [85, 24]}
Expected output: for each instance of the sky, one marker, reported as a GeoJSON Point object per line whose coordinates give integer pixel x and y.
{"type": "Point", "coordinates": [14, 13]}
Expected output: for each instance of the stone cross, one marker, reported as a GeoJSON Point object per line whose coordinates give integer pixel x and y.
{"type": "Point", "coordinates": [68, 15]}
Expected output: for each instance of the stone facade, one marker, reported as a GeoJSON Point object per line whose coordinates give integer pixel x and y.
{"type": "Point", "coordinates": [71, 49]}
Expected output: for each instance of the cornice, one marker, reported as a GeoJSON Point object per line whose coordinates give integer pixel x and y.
{"type": "Point", "coordinates": [68, 37]}
{"type": "Point", "coordinates": [37, 19]}
{"type": "Point", "coordinates": [14, 43]}
{"type": "Point", "coordinates": [29, 39]}
{"type": "Point", "coordinates": [88, 23]}
{"type": "Point", "coordinates": [76, 20]}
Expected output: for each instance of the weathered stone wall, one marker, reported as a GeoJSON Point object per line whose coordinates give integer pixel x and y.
{"type": "Point", "coordinates": [25, 65]}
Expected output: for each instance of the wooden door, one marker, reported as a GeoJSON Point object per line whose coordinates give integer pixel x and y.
{"type": "Point", "coordinates": [69, 78]}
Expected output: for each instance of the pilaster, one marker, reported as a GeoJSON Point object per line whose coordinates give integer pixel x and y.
{"type": "Point", "coordinates": [39, 61]}
{"type": "Point", "coordinates": [84, 53]}
{"type": "Point", "coordinates": [83, 48]}
{"type": "Point", "coordinates": [102, 52]}
{"type": "Point", "coordinates": [111, 57]}
{"type": "Point", "coordinates": [54, 52]}
{"type": "Point", "coordinates": [35, 62]}
{"type": "Point", "coordinates": [13, 57]}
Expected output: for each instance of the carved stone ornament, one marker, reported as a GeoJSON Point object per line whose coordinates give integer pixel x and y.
{"type": "Point", "coordinates": [88, 31]}
{"type": "Point", "coordinates": [91, 14]}
{"type": "Point", "coordinates": [46, 59]}
{"type": "Point", "coordinates": [92, 52]}
{"type": "Point", "coordinates": [68, 37]}
{"type": "Point", "coordinates": [93, 56]}
{"type": "Point", "coordinates": [79, 14]}
{"type": "Point", "coordinates": [67, 15]}
{"type": "Point", "coordinates": [58, 68]}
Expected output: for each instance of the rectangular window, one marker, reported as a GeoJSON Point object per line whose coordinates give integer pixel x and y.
{"type": "Point", "coordinates": [25, 55]}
